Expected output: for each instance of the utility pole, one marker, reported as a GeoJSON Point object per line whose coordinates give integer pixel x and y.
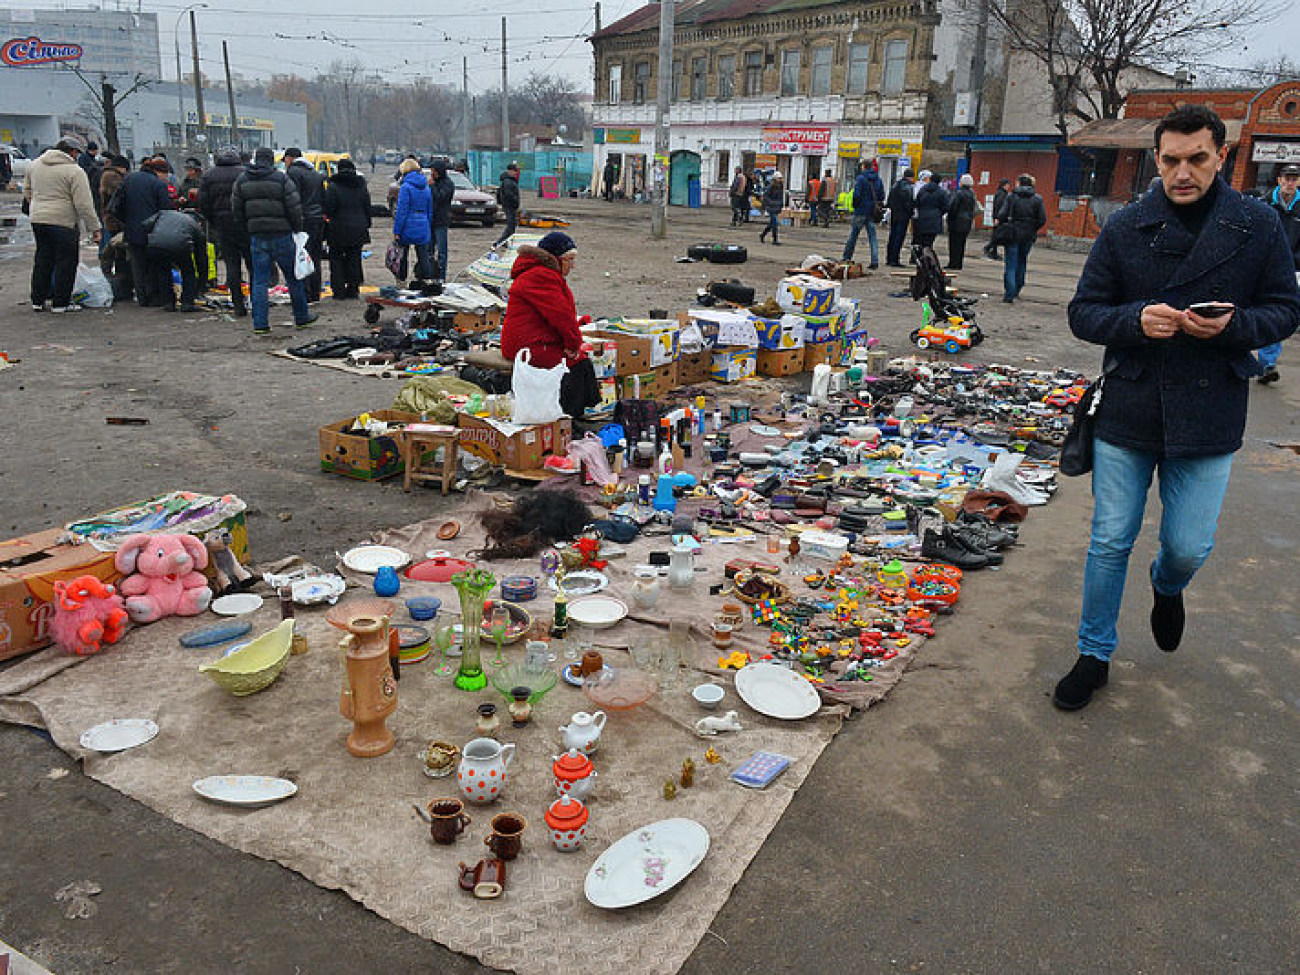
{"type": "Point", "coordinates": [202, 137]}
{"type": "Point", "coordinates": [659, 168]}
{"type": "Point", "coordinates": [108, 94]}
{"type": "Point", "coordinates": [180, 92]}
{"type": "Point", "coordinates": [505, 93]}
{"type": "Point", "coordinates": [230, 91]}
{"type": "Point", "coordinates": [977, 66]}
{"type": "Point", "coordinates": [464, 104]}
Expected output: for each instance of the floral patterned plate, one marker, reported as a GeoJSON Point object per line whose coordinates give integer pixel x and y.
{"type": "Point", "coordinates": [646, 862]}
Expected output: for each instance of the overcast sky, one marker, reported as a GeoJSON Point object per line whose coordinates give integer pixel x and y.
{"type": "Point", "coordinates": [389, 36]}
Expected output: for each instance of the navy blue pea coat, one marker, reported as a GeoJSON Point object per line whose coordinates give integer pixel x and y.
{"type": "Point", "coordinates": [1183, 397]}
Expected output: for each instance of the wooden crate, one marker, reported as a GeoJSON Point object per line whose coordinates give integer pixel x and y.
{"type": "Point", "coordinates": [780, 362]}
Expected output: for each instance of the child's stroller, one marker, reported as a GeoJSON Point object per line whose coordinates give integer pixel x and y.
{"type": "Point", "coordinates": [947, 322]}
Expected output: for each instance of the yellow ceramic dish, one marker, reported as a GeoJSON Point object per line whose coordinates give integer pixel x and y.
{"type": "Point", "coordinates": [256, 666]}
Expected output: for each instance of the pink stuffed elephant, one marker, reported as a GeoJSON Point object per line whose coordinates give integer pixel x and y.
{"type": "Point", "coordinates": [162, 577]}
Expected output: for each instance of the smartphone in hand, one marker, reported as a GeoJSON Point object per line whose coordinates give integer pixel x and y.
{"type": "Point", "coordinates": [1211, 309]}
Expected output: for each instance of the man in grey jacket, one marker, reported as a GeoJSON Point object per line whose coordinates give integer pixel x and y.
{"type": "Point", "coordinates": [173, 237]}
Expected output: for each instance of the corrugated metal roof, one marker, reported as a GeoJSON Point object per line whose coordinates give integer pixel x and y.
{"type": "Point", "coordinates": [692, 12]}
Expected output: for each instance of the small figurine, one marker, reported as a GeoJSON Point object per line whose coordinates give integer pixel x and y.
{"type": "Point", "coordinates": [670, 789]}
{"type": "Point", "coordinates": [710, 726]}
{"type": "Point", "coordinates": [688, 774]}
{"type": "Point", "coordinates": [711, 756]}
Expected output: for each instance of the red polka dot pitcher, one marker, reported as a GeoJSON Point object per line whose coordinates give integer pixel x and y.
{"type": "Point", "coordinates": [482, 771]}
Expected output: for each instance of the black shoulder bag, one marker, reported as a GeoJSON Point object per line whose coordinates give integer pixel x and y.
{"type": "Point", "coordinates": [1076, 452]}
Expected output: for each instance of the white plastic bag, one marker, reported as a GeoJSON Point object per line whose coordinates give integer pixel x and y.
{"type": "Point", "coordinates": [303, 265]}
{"type": "Point", "coordinates": [537, 391]}
{"type": "Point", "coordinates": [92, 288]}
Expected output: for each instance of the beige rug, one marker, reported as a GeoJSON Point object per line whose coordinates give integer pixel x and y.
{"type": "Point", "coordinates": [351, 826]}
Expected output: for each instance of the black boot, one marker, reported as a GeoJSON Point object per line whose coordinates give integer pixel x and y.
{"type": "Point", "coordinates": [942, 547]}
{"type": "Point", "coordinates": [974, 541]}
{"type": "Point", "coordinates": [1075, 689]}
{"type": "Point", "coordinates": [1167, 619]}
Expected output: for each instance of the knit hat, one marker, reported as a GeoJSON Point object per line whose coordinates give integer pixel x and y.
{"type": "Point", "coordinates": [70, 143]}
{"type": "Point", "coordinates": [347, 165]}
{"type": "Point", "coordinates": [264, 156]}
{"type": "Point", "coordinates": [557, 243]}
{"type": "Point", "coordinates": [439, 165]}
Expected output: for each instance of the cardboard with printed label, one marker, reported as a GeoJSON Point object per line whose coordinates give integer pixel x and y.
{"type": "Point", "coordinates": [514, 447]}
{"type": "Point", "coordinates": [643, 343]}
{"type": "Point", "coordinates": [784, 333]}
{"type": "Point", "coordinates": [363, 457]}
{"type": "Point", "coordinates": [733, 364]}
{"type": "Point", "coordinates": [650, 384]}
{"type": "Point", "coordinates": [803, 294]}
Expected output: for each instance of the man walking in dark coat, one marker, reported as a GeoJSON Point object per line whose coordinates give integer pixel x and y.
{"type": "Point", "coordinates": [508, 197]}
{"type": "Point", "coordinates": [739, 193]}
{"type": "Point", "coordinates": [961, 217]}
{"type": "Point", "coordinates": [143, 194]}
{"type": "Point", "coordinates": [931, 204]}
{"type": "Point", "coordinates": [265, 206]}
{"type": "Point", "coordinates": [215, 188]}
{"type": "Point", "coordinates": [347, 228]}
{"type": "Point", "coordinates": [442, 191]}
{"type": "Point", "coordinates": [310, 185]}
{"type": "Point", "coordinates": [610, 177]}
{"type": "Point", "coordinates": [902, 204]}
{"type": "Point", "coordinates": [1025, 212]}
{"type": "Point", "coordinates": [999, 198]}
{"type": "Point", "coordinates": [1177, 372]}
{"type": "Point", "coordinates": [1286, 201]}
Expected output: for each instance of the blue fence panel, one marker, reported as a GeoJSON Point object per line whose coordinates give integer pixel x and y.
{"type": "Point", "coordinates": [573, 165]}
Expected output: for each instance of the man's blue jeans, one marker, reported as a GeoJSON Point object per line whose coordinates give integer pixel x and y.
{"type": "Point", "coordinates": [860, 221]}
{"type": "Point", "coordinates": [1269, 355]}
{"type": "Point", "coordinates": [1015, 260]}
{"type": "Point", "coordinates": [439, 244]}
{"type": "Point", "coordinates": [278, 250]}
{"type": "Point", "coordinates": [1191, 494]}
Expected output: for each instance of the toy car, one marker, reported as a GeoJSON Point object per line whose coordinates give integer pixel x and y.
{"type": "Point", "coordinates": [952, 336]}
{"type": "Point", "coordinates": [1065, 397]}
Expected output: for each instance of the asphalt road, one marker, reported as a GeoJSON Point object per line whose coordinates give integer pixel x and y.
{"type": "Point", "coordinates": [963, 825]}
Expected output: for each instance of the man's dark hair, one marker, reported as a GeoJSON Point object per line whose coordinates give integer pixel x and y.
{"type": "Point", "coordinates": [1187, 119]}
{"type": "Point", "coordinates": [293, 153]}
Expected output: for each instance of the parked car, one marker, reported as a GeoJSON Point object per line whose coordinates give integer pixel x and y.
{"type": "Point", "coordinates": [469, 204]}
{"type": "Point", "coordinates": [19, 162]}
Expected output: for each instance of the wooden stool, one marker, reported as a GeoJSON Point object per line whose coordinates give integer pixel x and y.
{"type": "Point", "coordinates": [413, 448]}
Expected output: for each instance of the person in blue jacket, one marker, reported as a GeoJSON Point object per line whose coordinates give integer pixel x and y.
{"type": "Point", "coordinates": [412, 220]}
{"type": "Point", "coordinates": [1176, 374]}
{"type": "Point", "coordinates": [868, 195]}
{"type": "Point", "coordinates": [1284, 200]}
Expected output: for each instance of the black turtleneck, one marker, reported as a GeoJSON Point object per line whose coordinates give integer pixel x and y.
{"type": "Point", "coordinates": [1193, 215]}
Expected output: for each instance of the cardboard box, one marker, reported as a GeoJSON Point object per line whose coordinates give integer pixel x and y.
{"type": "Point", "coordinates": [822, 328]}
{"type": "Point", "coordinates": [650, 384]}
{"type": "Point", "coordinates": [817, 353]}
{"type": "Point", "coordinates": [361, 457]}
{"type": "Point", "coordinates": [694, 367]}
{"type": "Point", "coordinates": [516, 448]}
{"type": "Point", "coordinates": [780, 362]}
{"type": "Point", "coordinates": [786, 332]}
{"type": "Point", "coordinates": [643, 343]}
{"type": "Point", "coordinates": [604, 357]}
{"type": "Point", "coordinates": [804, 294]}
{"type": "Point", "coordinates": [733, 364]}
{"type": "Point", "coordinates": [473, 322]}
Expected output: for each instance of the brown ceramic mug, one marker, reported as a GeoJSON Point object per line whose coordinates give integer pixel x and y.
{"type": "Point", "coordinates": [447, 820]}
{"type": "Point", "coordinates": [592, 663]}
{"type": "Point", "coordinates": [485, 880]}
{"type": "Point", "coordinates": [507, 835]}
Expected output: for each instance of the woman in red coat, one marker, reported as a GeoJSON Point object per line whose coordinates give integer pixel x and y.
{"type": "Point", "coordinates": [542, 318]}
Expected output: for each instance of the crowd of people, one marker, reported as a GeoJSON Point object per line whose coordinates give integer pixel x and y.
{"type": "Point", "coordinates": [152, 227]}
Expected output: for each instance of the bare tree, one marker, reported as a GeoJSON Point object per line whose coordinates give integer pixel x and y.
{"type": "Point", "coordinates": [1259, 74]}
{"type": "Point", "coordinates": [102, 101]}
{"type": "Point", "coordinates": [1089, 47]}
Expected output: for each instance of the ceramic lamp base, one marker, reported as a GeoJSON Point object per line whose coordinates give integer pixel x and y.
{"type": "Point", "coordinates": [370, 740]}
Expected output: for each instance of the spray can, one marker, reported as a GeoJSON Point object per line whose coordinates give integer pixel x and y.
{"type": "Point", "coordinates": [643, 489]}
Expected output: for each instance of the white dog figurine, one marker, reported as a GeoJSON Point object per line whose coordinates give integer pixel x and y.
{"type": "Point", "coordinates": [710, 726]}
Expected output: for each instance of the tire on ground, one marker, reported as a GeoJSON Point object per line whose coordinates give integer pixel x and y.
{"type": "Point", "coordinates": [728, 254]}
{"type": "Point", "coordinates": [733, 291]}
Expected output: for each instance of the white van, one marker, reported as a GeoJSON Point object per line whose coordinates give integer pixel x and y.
{"type": "Point", "coordinates": [18, 161]}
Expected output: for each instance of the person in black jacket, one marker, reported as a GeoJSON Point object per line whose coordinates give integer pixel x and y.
{"type": "Point", "coordinates": [347, 228]}
{"type": "Point", "coordinates": [1025, 211]}
{"type": "Point", "coordinates": [901, 206]}
{"type": "Point", "coordinates": [144, 194]}
{"type": "Point", "coordinates": [215, 187]}
{"type": "Point", "coordinates": [173, 238]}
{"type": "Point", "coordinates": [508, 197]}
{"type": "Point", "coordinates": [773, 204]}
{"type": "Point", "coordinates": [931, 204]}
{"type": "Point", "coordinates": [1285, 199]}
{"type": "Point", "coordinates": [265, 205]}
{"type": "Point", "coordinates": [442, 190]}
{"type": "Point", "coordinates": [961, 217]}
{"type": "Point", "coordinates": [999, 198]}
{"type": "Point", "coordinates": [311, 188]}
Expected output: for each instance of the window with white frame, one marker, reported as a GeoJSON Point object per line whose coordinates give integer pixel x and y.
{"type": "Point", "coordinates": [790, 72]}
{"type": "Point", "coordinates": [895, 67]}
{"type": "Point", "coordinates": [615, 83]}
{"type": "Point", "coordinates": [726, 77]}
{"type": "Point", "coordinates": [859, 59]}
{"type": "Point", "coordinates": [819, 81]}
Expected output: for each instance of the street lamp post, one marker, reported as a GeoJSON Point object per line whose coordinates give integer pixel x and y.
{"type": "Point", "coordinates": [181, 141]}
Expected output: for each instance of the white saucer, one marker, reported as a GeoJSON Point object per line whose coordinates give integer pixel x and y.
{"type": "Point", "coordinates": [119, 734]}
{"type": "Point", "coordinates": [237, 604]}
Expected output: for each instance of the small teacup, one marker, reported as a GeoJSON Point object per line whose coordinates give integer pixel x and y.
{"type": "Point", "coordinates": [507, 836]}
{"type": "Point", "coordinates": [440, 759]}
{"type": "Point", "coordinates": [722, 635]}
{"type": "Point", "coordinates": [447, 820]}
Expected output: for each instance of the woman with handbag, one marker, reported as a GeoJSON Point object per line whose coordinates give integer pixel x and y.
{"type": "Point", "coordinates": [411, 221]}
{"type": "Point", "coordinates": [541, 318]}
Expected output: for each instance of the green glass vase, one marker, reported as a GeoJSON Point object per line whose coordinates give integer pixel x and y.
{"type": "Point", "coordinates": [473, 587]}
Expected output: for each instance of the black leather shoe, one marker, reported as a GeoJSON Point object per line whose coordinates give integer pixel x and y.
{"type": "Point", "coordinates": [942, 547]}
{"type": "Point", "coordinates": [995, 535]}
{"type": "Point", "coordinates": [970, 538]}
{"type": "Point", "coordinates": [1167, 619]}
{"type": "Point", "coordinates": [1075, 689]}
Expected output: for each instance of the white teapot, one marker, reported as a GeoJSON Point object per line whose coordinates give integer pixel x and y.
{"type": "Point", "coordinates": [583, 731]}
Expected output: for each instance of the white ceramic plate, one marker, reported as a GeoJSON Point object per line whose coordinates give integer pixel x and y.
{"type": "Point", "coordinates": [598, 612]}
{"type": "Point", "coordinates": [237, 604]}
{"type": "Point", "coordinates": [776, 692]}
{"type": "Point", "coordinates": [315, 590]}
{"type": "Point", "coordinates": [369, 558]}
{"type": "Point", "coordinates": [244, 790]}
{"type": "Point", "coordinates": [582, 582]}
{"type": "Point", "coordinates": [646, 863]}
{"type": "Point", "coordinates": [119, 734]}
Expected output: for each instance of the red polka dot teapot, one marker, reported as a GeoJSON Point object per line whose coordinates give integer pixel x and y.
{"type": "Point", "coordinates": [574, 774]}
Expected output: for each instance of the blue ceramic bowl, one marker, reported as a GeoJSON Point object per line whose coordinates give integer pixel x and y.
{"type": "Point", "coordinates": [423, 607]}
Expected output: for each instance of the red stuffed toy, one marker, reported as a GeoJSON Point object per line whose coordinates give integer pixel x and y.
{"type": "Point", "coordinates": [87, 613]}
